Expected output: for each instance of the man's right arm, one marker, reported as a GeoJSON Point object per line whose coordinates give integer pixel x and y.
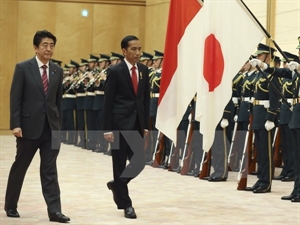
{"type": "Point", "coordinates": [16, 91]}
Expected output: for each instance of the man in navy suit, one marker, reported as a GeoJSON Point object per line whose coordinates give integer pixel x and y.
{"type": "Point", "coordinates": [35, 121]}
{"type": "Point", "coordinates": [126, 116]}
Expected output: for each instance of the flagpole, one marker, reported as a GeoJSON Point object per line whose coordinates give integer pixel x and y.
{"type": "Point", "coordinates": [268, 35]}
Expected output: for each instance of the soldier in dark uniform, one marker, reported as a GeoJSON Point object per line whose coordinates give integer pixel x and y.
{"type": "Point", "coordinates": [221, 144]}
{"type": "Point", "coordinates": [57, 62]}
{"type": "Point", "coordinates": [90, 114]}
{"type": "Point", "coordinates": [265, 106]}
{"type": "Point", "coordinates": [69, 104]}
{"type": "Point", "coordinates": [98, 102]}
{"type": "Point", "coordinates": [79, 88]}
{"type": "Point", "coordinates": [63, 133]}
{"type": "Point", "coordinates": [154, 95]}
{"type": "Point", "coordinates": [146, 59]}
{"type": "Point", "coordinates": [287, 172]}
{"type": "Point", "coordinates": [294, 123]}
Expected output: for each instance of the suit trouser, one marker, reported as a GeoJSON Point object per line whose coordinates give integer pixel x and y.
{"type": "Point", "coordinates": [219, 152]}
{"type": "Point", "coordinates": [296, 151]}
{"type": "Point", "coordinates": [127, 145]}
{"type": "Point", "coordinates": [263, 143]}
{"type": "Point", "coordinates": [80, 126]}
{"type": "Point", "coordinates": [26, 149]}
{"type": "Point", "coordinates": [287, 151]}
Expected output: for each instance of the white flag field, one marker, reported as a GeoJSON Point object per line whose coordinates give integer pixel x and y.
{"type": "Point", "coordinates": [214, 46]}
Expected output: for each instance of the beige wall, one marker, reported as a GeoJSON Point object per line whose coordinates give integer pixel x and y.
{"type": "Point", "coordinates": [102, 30]}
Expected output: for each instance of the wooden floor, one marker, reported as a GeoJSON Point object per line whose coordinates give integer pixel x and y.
{"type": "Point", "coordinates": [159, 197]}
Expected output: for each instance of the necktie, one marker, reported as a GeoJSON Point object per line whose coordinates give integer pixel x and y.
{"type": "Point", "coordinates": [134, 79]}
{"type": "Point", "coordinates": [45, 79]}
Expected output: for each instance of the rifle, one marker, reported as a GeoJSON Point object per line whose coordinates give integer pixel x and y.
{"type": "Point", "coordinates": [205, 165]}
{"type": "Point", "coordinates": [242, 175]}
{"type": "Point", "coordinates": [231, 163]}
{"type": "Point", "coordinates": [169, 156]}
{"type": "Point", "coordinates": [174, 158]}
{"type": "Point", "coordinates": [159, 148]}
{"type": "Point", "coordinates": [277, 149]}
{"type": "Point", "coordinates": [251, 148]}
{"type": "Point", "coordinates": [186, 160]}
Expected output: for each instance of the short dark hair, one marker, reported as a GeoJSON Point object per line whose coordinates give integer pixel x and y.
{"type": "Point", "coordinates": [124, 42]}
{"type": "Point", "coordinates": [40, 34]}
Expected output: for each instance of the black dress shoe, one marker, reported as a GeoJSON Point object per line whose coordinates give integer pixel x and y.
{"type": "Point", "coordinates": [217, 179]}
{"type": "Point", "coordinates": [261, 190]}
{"type": "Point", "coordinates": [251, 188]}
{"type": "Point", "coordinates": [288, 197]}
{"type": "Point", "coordinates": [129, 213]}
{"type": "Point", "coordinates": [58, 217]}
{"type": "Point", "coordinates": [285, 179]}
{"type": "Point", "coordinates": [296, 199]}
{"type": "Point", "coordinates": [12, 213]}
{"type": "Point", "coordinates": [278, 177]}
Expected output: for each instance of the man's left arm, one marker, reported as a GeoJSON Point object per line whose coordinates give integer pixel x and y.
{"type": "Point", "coordinates": [146, 99]}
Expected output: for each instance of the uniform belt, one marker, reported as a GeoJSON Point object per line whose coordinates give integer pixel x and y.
{"type": "Point", "coordinates": [70, 96]}
{"type": "Point", "coordinates": [90, 93]}
{"type": "Point", "coordinates": [246, 99]}
{"type": "Point", "coordinates": [80, 94]}
{"type": "Point", "coordinates": [265, 103]}
{"type": "Point", "coordinates": [63, 96]}
{"type": "Point", "coordinates": [296, 101]}
{"type": "Point", "coordinates": [154, 95]}
{"type": "Point", "coordinates": [99, 92]}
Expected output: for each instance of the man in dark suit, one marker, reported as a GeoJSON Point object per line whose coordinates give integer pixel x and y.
{"type": "Point", "coordinates": [35, 121]}
{"type": "Point", "coordinates": [125, 120]}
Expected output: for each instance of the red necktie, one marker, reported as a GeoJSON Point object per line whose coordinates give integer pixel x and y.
{"type": "Point", "coordinates": [134, 79]}
{"type": "Point", "coordinates": [45, 79]}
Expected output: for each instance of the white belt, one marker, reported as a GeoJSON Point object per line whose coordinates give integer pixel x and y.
{"type": "Point", "coordinates": [90, 93]}
{"type": "Point", "coordinates": [80, 94]}
{"type": "Point", "coordinates": [246, 99]}
{"type": "Point", "coordinates": [63, 96]}
{"type": "Point", "coordinates": [70, 96]}
{"type": "Point", "coordinates": [265, 103]}
{"type": "Point", "coordinates": [154, 95]}
{"type": "Point", "coordinates": [235, 100]}
{"type": "Point", "coordinates": [99, 92]}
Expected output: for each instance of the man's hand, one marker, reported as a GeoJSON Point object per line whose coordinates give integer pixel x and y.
{"type": "Point", "coordinates": [17, 132]}
{"type": "Point", "coordinates": [224, 123]}
{"type": "Point", "coordinates": [293, 65]}
{"type": "Point", "coordinates": [269, 125]}
{"type": "Point", "coordinates": [109, 137]}
{"type": "Point", "coordinates": [145, 133]}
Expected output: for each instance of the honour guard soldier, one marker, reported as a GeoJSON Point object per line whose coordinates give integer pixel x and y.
{"type": "Point", "coordinates": [294, 123]}
{"type": "Point", "coordinates": [98, 102]}
{"type": "Point", "coordinates": [115, 58]}
{"type": "Point", "coordinates": [80, 96]}
{"type": "Point", "coordinates": [146, 59]}
{"type": "Point", "coordinates": [265, 106]}
{"type": "Point", "coordinates": [89, 103]}
{"type": "Point", "coordinates": [287, 173]}
{"type": "Point", "coordinates": [69, 103]}
{"type": "Point", "coordinates": [57, 62]}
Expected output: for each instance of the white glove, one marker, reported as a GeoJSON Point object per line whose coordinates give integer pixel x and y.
{"type": "Point", "coordinates": [257, 62]}
{"type": "Point", "coordinates": [224, 123]}
{"type": "Point", "coordinates": [235, 118]}
{"type": "Point", "coordinates": [291, 108]}
{"type": "Point", "coordinates": [293, 65]}
{"type": "Point", "coordinates": [269, 125]}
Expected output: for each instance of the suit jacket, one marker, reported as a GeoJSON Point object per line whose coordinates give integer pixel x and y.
{"type": "Point", "coordinates": [122, 107]}
{"type": "Point", "coordinates": [29, 105]}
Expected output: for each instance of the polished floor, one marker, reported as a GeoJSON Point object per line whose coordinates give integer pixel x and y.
{"type": "Point", "coordinates": [159, 197]}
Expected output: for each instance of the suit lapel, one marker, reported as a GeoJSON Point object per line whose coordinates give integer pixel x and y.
{"type": "Point", "coordinates": [140, 77]}
{"type": "Point", "coordinates": [127, 75]}
{"type": "Point", "coordinates": [52, 75]}
{"type": "Point", "coordinates": [35, 71]}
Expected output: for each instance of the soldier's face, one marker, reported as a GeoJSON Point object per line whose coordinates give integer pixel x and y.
{"type": "Point", "coordinates": [133, 52]}
{"type": "Point", "coordinates": [45, 50]}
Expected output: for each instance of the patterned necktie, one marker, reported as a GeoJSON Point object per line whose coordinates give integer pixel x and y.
{"type": "Point", "coordinates": [134, 79]}
{"type": "Point", "coordinates": [45, 79]}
